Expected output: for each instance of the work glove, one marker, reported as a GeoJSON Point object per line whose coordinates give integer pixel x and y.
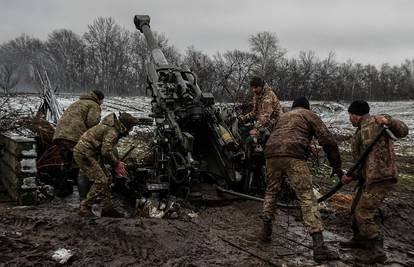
{"type": "Point", "coordinates": [120, 169]}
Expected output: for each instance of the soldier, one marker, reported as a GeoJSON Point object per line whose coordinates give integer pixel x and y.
{"type": "Point", "coordinates": [379, 173]}
{"type": "Point", "coordinates": [266, 106]}
{"type": "Point", "coordinates": [96, 148]}
{"type": "Point", "coordinates": [77, 118]}
{"type": "Point", "coordinates": [286, 153]}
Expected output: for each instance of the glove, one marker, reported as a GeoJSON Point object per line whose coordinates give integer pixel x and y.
{"type": "Point", "coordinates": [339, 172]}
{"type": "Point", "coordinates": [120, 169]}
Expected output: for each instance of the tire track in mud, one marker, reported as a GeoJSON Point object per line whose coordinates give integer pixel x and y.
{"type": "Point", "coordinates": [87, 237]}
{"type": "Point", "coordinates": [119, 105]}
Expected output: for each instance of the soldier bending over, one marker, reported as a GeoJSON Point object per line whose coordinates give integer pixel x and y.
{"type": "Point", "coordinates": [96, 148]}
{"type": "Point", "coordinates": [286, 153]}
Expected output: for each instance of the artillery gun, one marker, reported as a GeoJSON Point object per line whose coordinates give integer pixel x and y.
{"type": "Point", "coordinates": [192, 143]}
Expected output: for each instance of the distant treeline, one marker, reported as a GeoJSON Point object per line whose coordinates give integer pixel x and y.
{"type": "Point", "coordinates": [112, 59]}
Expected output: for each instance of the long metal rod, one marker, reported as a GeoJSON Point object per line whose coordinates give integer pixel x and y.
{"type": "Point", "coordinates": [231, 192]}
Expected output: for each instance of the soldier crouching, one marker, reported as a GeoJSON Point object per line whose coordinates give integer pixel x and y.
{"type": "Point", "coordinates": [96, 148]}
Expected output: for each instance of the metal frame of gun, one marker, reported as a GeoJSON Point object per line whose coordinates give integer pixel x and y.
{"type": "Point", "coordinates": [178, 107]}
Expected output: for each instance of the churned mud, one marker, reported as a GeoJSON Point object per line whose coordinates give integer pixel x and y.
{"type": "Point", "coordinates": [219, 235]}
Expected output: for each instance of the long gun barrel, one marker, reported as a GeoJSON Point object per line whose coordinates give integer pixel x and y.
{"type": "Point", "coordinates": [142, 23]}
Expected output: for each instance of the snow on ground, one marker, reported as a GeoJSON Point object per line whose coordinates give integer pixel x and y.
{"type": "Point", "coordinates": [334, 114]}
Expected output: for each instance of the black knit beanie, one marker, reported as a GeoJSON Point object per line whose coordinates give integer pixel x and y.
{"type": "Point", "coordinates": [99, 94]}
{"type": "Point", "coordinates": [359, 107]}
{"type": "Point", "coordinates": [256, 81]}
{"type": "Point", "coordinates": [301, 102]}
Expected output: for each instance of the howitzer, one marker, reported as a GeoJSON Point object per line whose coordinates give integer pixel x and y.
{"type": "Point", "coordinates": [359, 162]}
{"type": "Point", "coordinates": [189, 137]}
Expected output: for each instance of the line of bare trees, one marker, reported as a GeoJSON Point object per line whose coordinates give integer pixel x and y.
{"type": "Point", "coordinates": [112, 59]}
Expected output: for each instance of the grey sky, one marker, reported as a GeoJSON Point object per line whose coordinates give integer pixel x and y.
{"type": "Point", "coordinates": [366, 31]}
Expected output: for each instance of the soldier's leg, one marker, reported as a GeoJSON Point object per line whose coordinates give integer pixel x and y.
{"type": "Point", "coordinates": [64, 186]}
{"type": "Point", "coordinates": [369, 229]}
{"type": "Point", "coordinates": [100, 191]}
{"type": "Point", "coordinates": [300, 179]}
{"type": "Point", "coordinates": [274, 181]}
{"type": "Point", "coordinates": [367, 207]}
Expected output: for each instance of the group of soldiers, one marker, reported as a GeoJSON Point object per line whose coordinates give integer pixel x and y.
{"type": "Point", "coordinates": [82, 136]}
{"type": "Point", "coordinates": [286, 153]}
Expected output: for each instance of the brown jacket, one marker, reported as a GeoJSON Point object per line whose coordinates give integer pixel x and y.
{"type": "Point", "coordinates": [266, 108]}
{"type": "Point", "coordinates": [293, 133]}
{"type": "Point", "coordinates": [380, 163]}
{"type": "Point", "coordinates": [78, 117]}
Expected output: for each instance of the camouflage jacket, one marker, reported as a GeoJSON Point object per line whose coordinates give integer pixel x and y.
{"type": "Point", "coordinates": [293, 133]}
{"type": "Point", "coordinates": [266, 107]}
{"type": "Point", "coordinates": [380, 163]}
{"type": "Point", "coordinates": [78, 117]}
{"type": "Point", "coordinates": [100, 140]}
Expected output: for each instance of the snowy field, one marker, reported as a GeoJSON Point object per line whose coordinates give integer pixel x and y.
{"type": "Point", "coordinates": [335, 115]}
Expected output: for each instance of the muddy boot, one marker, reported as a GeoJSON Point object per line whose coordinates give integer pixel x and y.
{"type": "Point", "coordinates": [354, 242]}
{"type": "Point", "coordinates": [266, 233]}
{"type": "Point", "coordinates": [374, 252]}
{"type": "Point", "coordinates": [84, 185]}
{"type": "Point", "coordinates": [111, 212]}
{"type": "Point", "coordinates": [320, 251]}
{"type": "Point", "coordinates": [85, 211]}
{"type": "Point", "coordinates": [64, 187]}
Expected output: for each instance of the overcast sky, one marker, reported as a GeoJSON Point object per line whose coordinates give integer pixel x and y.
{"type": "Point", "coordinates": [366, 31]}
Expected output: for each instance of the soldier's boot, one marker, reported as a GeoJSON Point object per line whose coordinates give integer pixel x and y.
{"type": "Point", "coordinates": [111, 212]}
{"type": "Point", "coordinates": [84, 185]}
{"type": "Point", "coordinates": [374, 252]}
{"type": "Point", "coordinates": [266, 233]}
{"type": "Point", "coordinates": [355, 242]}
{"type": "Point", "coordinates": [85, 210]}
{"type": "Point", "coordinates": [320, 251]}
{"type": "Point", "coordinates": [64, 186]}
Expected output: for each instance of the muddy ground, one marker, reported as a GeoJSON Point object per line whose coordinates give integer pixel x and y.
{"type": "Point", "coordinates": [224, 234]}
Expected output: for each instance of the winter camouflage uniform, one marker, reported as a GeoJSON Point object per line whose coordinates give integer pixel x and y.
{"type": "Point", "coordinates": [379, 171]}
{"type": "Point", "coordinates": [77, 118]}
{"type": "Point", "coordinates": [286, 152]}
{"type": "Point", "coordinates": [266, 109]}
{"type": "Point", "coordinates": [94, 149]}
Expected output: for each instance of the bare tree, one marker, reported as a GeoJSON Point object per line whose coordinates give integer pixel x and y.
{"type": "Point", "coordinates": [68, 53]}
{"type": "Point", "coordinates": [265, 46]}
{"type": "Point", "coordinates": [9, 67]}
{"type": "Point", "coordinates": [107, 55]}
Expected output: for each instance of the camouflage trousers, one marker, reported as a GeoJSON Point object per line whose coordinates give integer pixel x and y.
{"type": "Point", "coordinates": [364, 218]}
{"type": "Point", "coordinates": [300, 179]}
{"type": "Point", "coordinates": [94, 169]}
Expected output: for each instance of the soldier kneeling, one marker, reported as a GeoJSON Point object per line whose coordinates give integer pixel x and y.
{"type": "Point", "coordinates": [96, 148]}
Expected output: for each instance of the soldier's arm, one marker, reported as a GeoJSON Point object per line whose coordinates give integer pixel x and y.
{"type": "Point", "coordinates": [399, 128]}
{"type": "Point", "coordinates": [93, 117]}
{"type": "Point", "coordinates": [264, 113]}
{"type": "Point", "coordinates": [328, 143]}
{"type": "Point", "coordinates": [108, 145]}
{"type": "Point", "coordinates": [249, 116]}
